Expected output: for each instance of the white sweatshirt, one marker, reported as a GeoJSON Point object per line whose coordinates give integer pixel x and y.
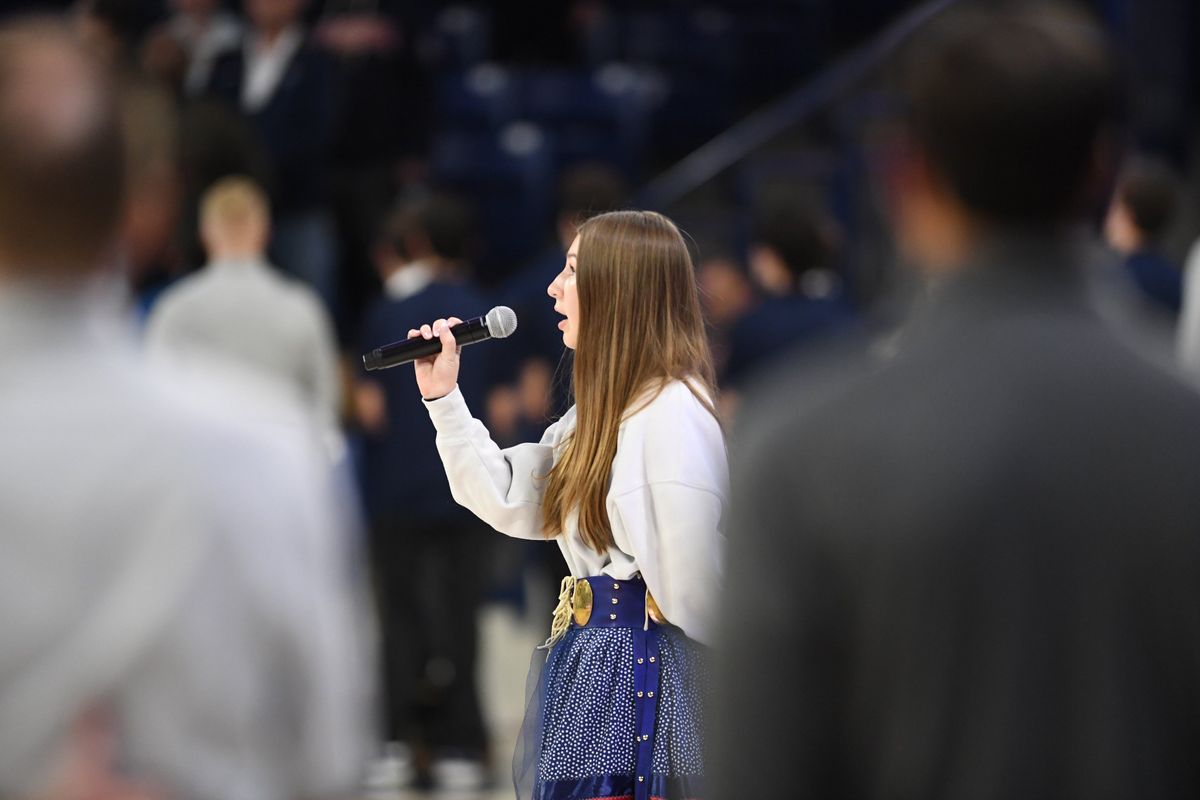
{"type": "Point", "coordinates": [666, 500]}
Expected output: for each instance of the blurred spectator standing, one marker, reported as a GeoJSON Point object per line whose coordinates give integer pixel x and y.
{"type": "Point", "coordinates": [1142, 208]}
{"type": "Point", "coordinates": [204, 30]}
{"type": "Point", "coordinates": [166, 563]}
{"type": "Point", "coordinates": [428, 552]}
{"type": "Point", "coordinates": [383, 133]}
{"type": "Point", "coordinates": [985, 594]}
{"type": "Point", "coordinates": [238, 308]}
{"type": "Point", "coordinates": [794, 260]}
{"type": "Point", "coordinates": [285, 85]}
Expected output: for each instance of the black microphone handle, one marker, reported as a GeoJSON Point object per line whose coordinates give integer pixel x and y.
{"type": "Point", "coordinates": [406, 350]}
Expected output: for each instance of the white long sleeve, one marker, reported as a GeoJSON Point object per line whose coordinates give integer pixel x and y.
{"type": "Point", "coordinates": [665, 503]}
{"type": "Point", "coordinates": [503, 487]}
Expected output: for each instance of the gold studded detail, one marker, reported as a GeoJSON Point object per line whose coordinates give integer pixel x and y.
{"type": "Point", "coordinates": [612, 616]}
{"type": "Point", "coordinates": [640, 660]}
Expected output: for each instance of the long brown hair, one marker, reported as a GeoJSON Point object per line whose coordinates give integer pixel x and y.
{"type": "Point", "coordinates": [640, 327]}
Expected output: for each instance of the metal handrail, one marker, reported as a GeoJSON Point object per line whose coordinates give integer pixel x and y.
{"type": "Point", "coordinates": [734, 144]}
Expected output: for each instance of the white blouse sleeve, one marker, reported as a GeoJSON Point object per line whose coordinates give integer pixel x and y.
{"type": "Point", "coordinates": [502, 487]}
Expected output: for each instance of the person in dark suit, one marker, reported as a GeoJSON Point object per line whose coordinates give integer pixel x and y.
{"type": "Point", "coordinates": [974, 571]}
{"type": "Point", "coordinates": [286, 87]}
{"type": "Point", "coordinates": [427, 551]}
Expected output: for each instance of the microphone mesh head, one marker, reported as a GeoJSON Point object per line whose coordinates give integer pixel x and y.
{"type": "Point", "coordinates": [501, 322]}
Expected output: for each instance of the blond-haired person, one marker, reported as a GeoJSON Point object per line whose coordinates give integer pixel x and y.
{"type": "Point", "coordinates": [631, 483]}
{"type": "Point", "coordinates": [242, 311]}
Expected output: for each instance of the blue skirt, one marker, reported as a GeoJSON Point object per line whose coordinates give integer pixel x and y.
{"type": "Point", "coordinates": [588, 734]}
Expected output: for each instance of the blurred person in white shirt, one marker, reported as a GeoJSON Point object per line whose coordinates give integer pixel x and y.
{"type": "Point", "coordinates": [167, 562]}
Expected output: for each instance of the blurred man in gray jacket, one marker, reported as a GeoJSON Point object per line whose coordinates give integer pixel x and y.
{"type": "Point", "coordinates": [166, 568]}
{"type": "Point", "coordinates": [974, 571]}
{"type": "Point", "coordinates": [241, 310]}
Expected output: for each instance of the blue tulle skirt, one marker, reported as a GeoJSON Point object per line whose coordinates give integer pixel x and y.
{"type": "Point", "coordinates": [582, 729]}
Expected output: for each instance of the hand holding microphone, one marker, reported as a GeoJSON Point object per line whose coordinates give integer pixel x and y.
{"type": "Point", "coordinates": [436, 362]}
{"type": "Point", "coordinates": [437, 375]}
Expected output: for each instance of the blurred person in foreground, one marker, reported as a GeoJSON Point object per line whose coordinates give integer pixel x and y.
{"type": "Point", "coordinates": [974, 572]}
{"type": "Point", "coordinates": [165, 566]}
{"type": "Point", "coordinates": [240, 309]}
{"type": "Point", "coordinates": [1141, 210]}
{"type": "Point", "coordinates": [428, 552]}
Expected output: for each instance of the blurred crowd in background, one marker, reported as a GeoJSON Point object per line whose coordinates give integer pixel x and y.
{"type": "Point", "coordinates": [308, 179]}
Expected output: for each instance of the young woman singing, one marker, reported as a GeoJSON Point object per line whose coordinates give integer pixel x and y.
{"type": "Point", "coordinates": [632, 483]}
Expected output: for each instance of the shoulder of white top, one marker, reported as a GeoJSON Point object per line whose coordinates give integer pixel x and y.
{"type": "Point", "coordinates": [674, 398]}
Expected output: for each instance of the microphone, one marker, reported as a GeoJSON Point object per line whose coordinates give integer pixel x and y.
{"type": "Point", "coordinates": [499, 323]}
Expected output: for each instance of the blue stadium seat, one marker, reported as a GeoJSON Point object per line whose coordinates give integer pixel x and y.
{"type": "Point", "coordinates": [777, 47]}
{"type": "Point", "coordinates": [592, 115]}
{"type": "Point", "coordinates": [459, 38]}
{"type": "Point", "coordinates": [480, 100]}
{"type": "Point", "coordinates": [508, 179]}
{"type": "Point", "coordinates": [693, 57]}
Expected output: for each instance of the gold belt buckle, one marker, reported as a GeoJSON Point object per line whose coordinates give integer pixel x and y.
{"type": "Point", "coordinates": [653, 610]}
{"type": "Point", "coordinates": [581, 602]}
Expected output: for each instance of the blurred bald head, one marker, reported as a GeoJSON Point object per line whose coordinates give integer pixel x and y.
{"type": "Point", "coordinates": [61, 160]}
